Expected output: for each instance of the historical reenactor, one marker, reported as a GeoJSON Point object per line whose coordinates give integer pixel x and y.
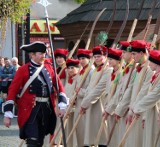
{"type": "Point", "coordinates": [114, 59]}
{"type": "Point", "coordinates": [126, 78]}
{"type": "Point", "coordinates": [92, 100]}
{"type": "Point", "coordinates": [140, 88]}
{"type": "Point", "coordinates": [32, 90]}
{"type": "Point", "coordinates": [61, 56]}
{"type": "Point", "coordinates": [70, 85]}
{"type": "Point", "coordinates": [84, 59]}
{"type": "Point", "coordinates": [149, 104]}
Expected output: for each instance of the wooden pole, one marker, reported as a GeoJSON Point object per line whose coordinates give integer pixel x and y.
{"type": "Point", "coordinates": [149, 19]}
{"type": "Point", "coordinates": [122, 143]}
{"type": "Point", "coordinates": [74, 127]}
{"type": "Point", "coordinates": [158, 135]}
{"type": "Point", "coordinates": [123, 25]}
{"type": "Point", "coordinates": [135, 22]}
{"type": "Point", "coordinates": [111, 133]}
{"type": "Point", "coordinates": [99, 132]}
{"type": "Point", "coordinates": [21, 144]}
{"type": "Point", "coordinates": [92, 29]}
{"type": "Point", "coordinates": [113, 16]}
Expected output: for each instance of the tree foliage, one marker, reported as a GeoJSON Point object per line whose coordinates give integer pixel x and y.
{"type": "Point", "coordinates": [80, 1]}
{"type": "Point", "coordinates": [12, 10]}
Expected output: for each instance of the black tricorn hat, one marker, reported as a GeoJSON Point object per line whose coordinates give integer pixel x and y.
{"type": "Point", "coordinates": [36, 46]}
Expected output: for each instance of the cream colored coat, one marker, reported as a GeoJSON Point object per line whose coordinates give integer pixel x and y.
{"type": "Point", "coordinates": [109, 108]}
{"type": "Point", "coordinates": [136, 134]}
{"type": "Point", "coordinates": [79, 132]}
{"type": "Point", "coordinates": [69, 90]}
{"type": "Point", "coordinates": [93, 101]}
{"type": "Point", "coordinates": [113, 103]}
{"type": "Point", "coordinates": [147, 105]}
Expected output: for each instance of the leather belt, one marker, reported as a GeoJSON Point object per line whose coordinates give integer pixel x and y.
{"type": "Point", "coordinates": [42, 99]}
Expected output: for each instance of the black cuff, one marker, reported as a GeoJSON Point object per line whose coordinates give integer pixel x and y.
{"type": "Point", "coordinates": [62, 98]}
{"type": "Point", "coordinates": [8, 107]}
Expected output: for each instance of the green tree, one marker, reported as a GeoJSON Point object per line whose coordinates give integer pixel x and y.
{"type": "Point", "coordinates": [12, 10]}
{"type": "Point", "coordinates": [80, 1]}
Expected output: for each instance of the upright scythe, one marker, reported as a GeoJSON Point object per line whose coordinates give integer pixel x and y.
{"type": "Point", "coordinates": [135, 22]}
{"type": "Point", "coordinates": [149, 19]}
{"type": "Point", "coordinates": [123, 25]}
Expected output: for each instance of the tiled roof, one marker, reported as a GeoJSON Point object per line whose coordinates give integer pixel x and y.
{"type": "Point", "coordinates": [89, 10]}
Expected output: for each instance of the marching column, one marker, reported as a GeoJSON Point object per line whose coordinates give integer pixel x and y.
{"type": "Point", "coordinates": [148, 104]}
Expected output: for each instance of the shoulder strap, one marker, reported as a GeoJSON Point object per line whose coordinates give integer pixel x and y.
{"type": "Point", "coordinates": [30, 80]}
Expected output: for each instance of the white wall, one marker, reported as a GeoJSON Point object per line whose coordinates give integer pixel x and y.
{"type": "Point", "coordinates": [8, 48]}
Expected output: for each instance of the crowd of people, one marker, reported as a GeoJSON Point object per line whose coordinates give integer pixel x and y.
{"type": "Point", "coordinates": [113, 86]}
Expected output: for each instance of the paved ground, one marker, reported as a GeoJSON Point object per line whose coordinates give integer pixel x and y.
{"type": "Point", "coordinates": [9, 136]}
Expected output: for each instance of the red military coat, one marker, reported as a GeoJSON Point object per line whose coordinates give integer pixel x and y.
{"type": "Point", "coordinates": [27, 101]}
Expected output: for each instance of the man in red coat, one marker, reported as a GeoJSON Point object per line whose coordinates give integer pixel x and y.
{"type": "Point", "coordinates": [36, 114]}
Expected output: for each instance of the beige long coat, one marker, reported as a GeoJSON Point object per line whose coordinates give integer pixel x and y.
{"type": "Point", "coordinates": [69, 90]}
{"type": "Point", "coordinates": [79, 132]}
{"type": "Point", "coordinates": [138, 91]}
{"type": "Point", "coordinates": [147, 105]}
{"type": "Point", "coordinates": [122, 86]}
{"type": "Point", "coordinates": [93, 101]}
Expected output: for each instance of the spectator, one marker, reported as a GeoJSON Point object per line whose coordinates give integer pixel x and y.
{"type": "Point", "coordinates": [14, 61]}
{"type": "Point", "coordinates": [1, 66]}
{"type": "Point", "coordinates": [1, 61]}
{"type": "Point", "coordinates": [7, 75]}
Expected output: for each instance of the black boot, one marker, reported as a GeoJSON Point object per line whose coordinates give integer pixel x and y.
{"type": "Point", "coordinates": [32, 142]}
{"type": "Point", "coordinates": [102, 146]}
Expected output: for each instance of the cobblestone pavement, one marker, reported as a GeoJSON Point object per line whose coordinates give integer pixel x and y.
{"type": "Point", "coordinates": [9, 137]}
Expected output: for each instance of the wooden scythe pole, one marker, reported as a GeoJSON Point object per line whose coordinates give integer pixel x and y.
{"type": "Point", "coordinates": [93, 27]}
{"type": "Point", "coordinates": [135, 22]}
{"type": "Point", "coordinates": [113, 16]}
{"type": "Point", "coordinates": [123, 26]}
{"type": "Point", "coordinates": [149, 19]}
{"type": "Point", "coordinates": [156, 30]}
{"type": "Point", "coordinates": [157, 136]}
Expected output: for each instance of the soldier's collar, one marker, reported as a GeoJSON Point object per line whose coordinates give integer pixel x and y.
{"type": "Point", "coordinates": [33, 63]}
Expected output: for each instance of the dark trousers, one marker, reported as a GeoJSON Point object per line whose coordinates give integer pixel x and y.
{"type": "Point", "coordinates": [38, 123]}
